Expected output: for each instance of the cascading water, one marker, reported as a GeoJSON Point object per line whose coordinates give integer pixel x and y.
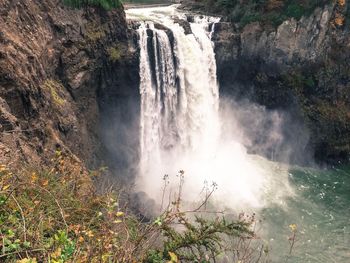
{"type": "Point", "coordinates": [180, 124]}
{"type": "Point", "coordinates": [183, 127]}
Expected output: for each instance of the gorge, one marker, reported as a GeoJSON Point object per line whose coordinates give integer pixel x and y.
{"type": "Point", "coordinates": [261, 113]}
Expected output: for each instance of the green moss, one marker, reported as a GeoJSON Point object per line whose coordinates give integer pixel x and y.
{"type": "Point", "coordinates": [94, 32]}
{"type": "Point", "coordinates": [95, 35]}
{"type": "Point", "coordinates": [117, 51]}
{"type": "Point", "coordinates": [55, 88]}
{"type": "Point", "coordinates": [114, 53]}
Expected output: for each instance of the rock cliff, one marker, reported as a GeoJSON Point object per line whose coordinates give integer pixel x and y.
{"type": "Point", "coordinates": [301, 68]}
{"type": "Point", "coordinates": [60, 68]}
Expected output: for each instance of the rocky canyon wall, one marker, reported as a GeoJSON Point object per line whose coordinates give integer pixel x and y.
{"type": "Point", "coordinates": [300, 68]}
{"type": "Point", "coordinates": [60, 69]}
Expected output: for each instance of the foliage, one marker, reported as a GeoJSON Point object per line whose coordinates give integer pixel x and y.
{"type": "Point", "coordinates": [106, 4]}
{"type": "Point", "coordinates": [94, 32]}
{"type": "Point", "coordinates": [271, 12]}
{"type": "Point", "coordinates": [55, 214]}
{"type": "Point", "coordinates": [341, 13]}
{"type": "Point", "coordinates": [250, 18]}
{"type": "Point", "coordinates": [295, 10]}
{"type": "Point", "coordinates": [114, 53]}
{"type": "Point", "coordinates": [55, 88]}
{"type": "Point", "coordinates": [147, 1]}
{"type": "Point", "coordinates": [206, 236]}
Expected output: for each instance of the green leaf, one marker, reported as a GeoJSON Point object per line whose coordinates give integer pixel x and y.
{"type": "Point", "coordinates": [26, 244]}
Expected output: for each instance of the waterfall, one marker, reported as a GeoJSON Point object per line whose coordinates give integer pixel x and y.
{"type": "Point", "coordinates": [179, 92]}
{"type": "Point", "coordinates": [185, 125]}
{"type": "Point", "coordinates": [180, 122]}
{"type": "Point", "coordinates": [158, 94]}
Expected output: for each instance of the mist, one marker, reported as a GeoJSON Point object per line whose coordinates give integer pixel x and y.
{"type": "Point", "coordinates": [184, 124]}
{"type": "Point", "coordinates": [245, 181]}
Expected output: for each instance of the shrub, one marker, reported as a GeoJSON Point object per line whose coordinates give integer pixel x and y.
{"type": "Point", "coordinates": [272, 12]}
{"type": "Point", "coordinates": [55, 214]}
{"type": "Point", "coordinates": [275, 18]}
{"type": "Point", "coordinates": [295, 10]}
{"type": "Point", "coordinates": [106, 4]}
{"type": "Point", "coordinates": [250, 18]}
{"type": "Point", "coordinates": [206, 236]}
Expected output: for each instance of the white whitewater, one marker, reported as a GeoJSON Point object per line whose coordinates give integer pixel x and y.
{"type": "Point", "coordinates": [180, 122]}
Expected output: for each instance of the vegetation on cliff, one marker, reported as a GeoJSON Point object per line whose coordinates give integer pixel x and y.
{"type": "Point", "coordinates": [266, 11]}
{"type": "Point", "coordinates": [106, 4]}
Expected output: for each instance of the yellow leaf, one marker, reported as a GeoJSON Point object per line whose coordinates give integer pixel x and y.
{"type": "Point", "coordinates": [3, 168]}
{"type": "Point", "coordinates": [89, 233]}
{"type": "Point", "coordinates": [6, 187]}
{"type": "Point", "coordinates": [293, 227]}
{"type": "Point", "coordinates": [57, 253]}
{"type": "Point", "coordinates": [45, 182]}
{"type": "Point", "coordinates": [173, 257]}
{"type": "Point", "coordinates": [339, 20]}
{"type": "Point", "coordinates": [34, 177]}
{"type": "Point", "coordinates": [119, 214]}
{"type": "Point", "coordinates": [117, 221]}
{"type": "Point", "coordinates": [27, 260]}
{"type": "Point", "coordinates": [341, 2]}
{"type": "Point", "coordinates": [106, 257]}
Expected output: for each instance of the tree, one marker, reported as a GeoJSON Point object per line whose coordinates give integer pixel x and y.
{"type": "Point", "coordinates": [106, 4]}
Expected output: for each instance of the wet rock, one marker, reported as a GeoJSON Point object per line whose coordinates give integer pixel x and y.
{"type": "Point", "coordinates": [184, 24]}
{"type": "Point", "coordinates": [285, 69]}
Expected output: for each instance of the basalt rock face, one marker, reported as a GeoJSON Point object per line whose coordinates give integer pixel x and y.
{"type": "Point", "coordinates": [301, 69]}
{"type": "Point", "coordinates": [60, 69]}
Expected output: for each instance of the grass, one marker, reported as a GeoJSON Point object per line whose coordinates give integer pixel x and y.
{"type": "Point", "coordinates": [55, 214]}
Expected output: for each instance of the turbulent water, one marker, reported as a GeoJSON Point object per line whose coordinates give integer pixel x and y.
{"type": "Point", "coordinates": [183, 127]}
